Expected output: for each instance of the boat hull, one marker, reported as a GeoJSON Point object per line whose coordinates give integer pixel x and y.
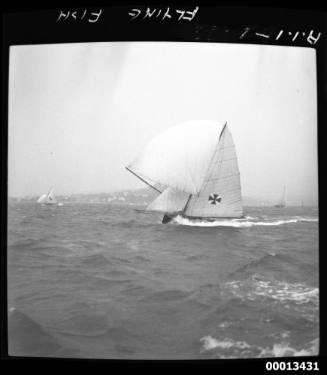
{"type": "Point", "coordinates": [169, 217]}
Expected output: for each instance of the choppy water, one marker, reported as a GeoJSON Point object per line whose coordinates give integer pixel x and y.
{"type": "Point", "coordinates": [101, 281]}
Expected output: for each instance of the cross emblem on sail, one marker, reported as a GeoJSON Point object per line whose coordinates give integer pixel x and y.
{"type": "Point", "coordinates": [214, 198]}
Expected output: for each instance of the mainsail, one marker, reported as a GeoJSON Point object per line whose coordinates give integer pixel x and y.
{"type": "Point", "coordinates": [220, 194]}
{"type": "Point", "coordinates": [196, 164]}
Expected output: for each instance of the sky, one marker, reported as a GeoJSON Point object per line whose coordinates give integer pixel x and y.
{"type": "Point", "coordinates": [79, 113]}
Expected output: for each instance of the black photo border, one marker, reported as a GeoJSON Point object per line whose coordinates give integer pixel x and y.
{"type": "Point", "coordinates": [211, 24]}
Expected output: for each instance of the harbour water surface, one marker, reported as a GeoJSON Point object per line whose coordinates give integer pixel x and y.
{"type": "Point", "coordinates": [105, 281]}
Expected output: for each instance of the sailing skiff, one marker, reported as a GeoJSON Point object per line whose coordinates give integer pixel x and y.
{"type": "Point", "coordinates": [282, 202]}
{"type": "Point", "coordinates": [48, 198]}
{"type": "Point", "coordinates": [193, 167]}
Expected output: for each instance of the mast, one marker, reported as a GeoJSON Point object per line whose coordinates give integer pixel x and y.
{"type": "Point", "coordinates": [222, 130]}
{"type": "Point", "coordinates": [50, 191]}
{"type": "Point", "coordinates": [187, 203]}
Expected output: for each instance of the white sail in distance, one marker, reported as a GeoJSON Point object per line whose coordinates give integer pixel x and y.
{"type": "Point", "coordinates": [42, 199]}
{"type": "Point", "coordinates": [179, 157]}
{"type": "Point", "coordinates": [47, 198]}
{"type": "Point", "coordinates": [220, 194]}
{"type": "Point", "coordinates": [282, 200]}
{"type": "Point", "coordinates": [171, 200]}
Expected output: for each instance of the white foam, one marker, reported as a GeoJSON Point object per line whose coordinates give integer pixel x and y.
{"type": "Point", "coordinates": [210, 343]}
{"type": "Point", "coordinates": [277, 290]}
{"type": "Point", "coordinates": [239, 223]}
{"type": "Point", "coordinates": [228, 348]}
{"type": "Point", "coordinates": [285, 350]}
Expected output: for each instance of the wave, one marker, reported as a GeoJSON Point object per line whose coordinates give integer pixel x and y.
{"type": "Point", "coordinates": [285, 350]}
{"type": "Point", "coordinates": [268, 259]}
{"type": "Point", "coordinates": [133, 223]}
{"type": "Point", "coordinates": [96, 259]}
{"type": "Point", "coordinates": [26, 337]}
{"type": "Point", "coordinates": [26, 243]}
{"type": "Point", "coordinates": [142, 258]}
{"type": "Point", "coordinates": [246, 222]}
{"type": "Point", "coordinates": [136, 291]}
{"type": "Point", "coordinates": [86, 324]}
{"type": "Point", "coordinates": [292, 268]}
{"type": "Point", "coordinates": [210, 343]}
{"type": "Point", "coordinates": [274, 264]}
{"type": "Point", "coordinates": [256, 288]}
{"type": "Point", "coordinates": [168, 295]}
{"type": "Point", "coordinates": [229, 348]}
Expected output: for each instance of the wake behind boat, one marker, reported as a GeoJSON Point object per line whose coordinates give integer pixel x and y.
{"type": "Point", "coordinates": [193, 167]}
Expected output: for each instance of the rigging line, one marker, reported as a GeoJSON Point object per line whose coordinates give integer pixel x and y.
{"type": "Point", "coordinates": [143, 180]}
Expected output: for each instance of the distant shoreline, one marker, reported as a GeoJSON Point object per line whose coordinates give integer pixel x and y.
{"type": "Point", "coordinates": [141, 197]}
{"type": "Point", "coordinates": [131, 204]}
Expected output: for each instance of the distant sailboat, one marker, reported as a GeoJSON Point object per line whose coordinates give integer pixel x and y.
{"type": "Point", "coordinates": [48, 198]}
{"type": "Point", "coordinates": [193, 166]}
{"type": "Point", "coordinates": [282, 202]}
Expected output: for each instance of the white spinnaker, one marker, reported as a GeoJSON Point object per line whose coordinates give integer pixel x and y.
{"type": "Point", "coordinates": [220, 195]}
{"type": "Point", "coordinates": [179, 157]}
{"type": "Point", "coordinates": [170, 201]}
